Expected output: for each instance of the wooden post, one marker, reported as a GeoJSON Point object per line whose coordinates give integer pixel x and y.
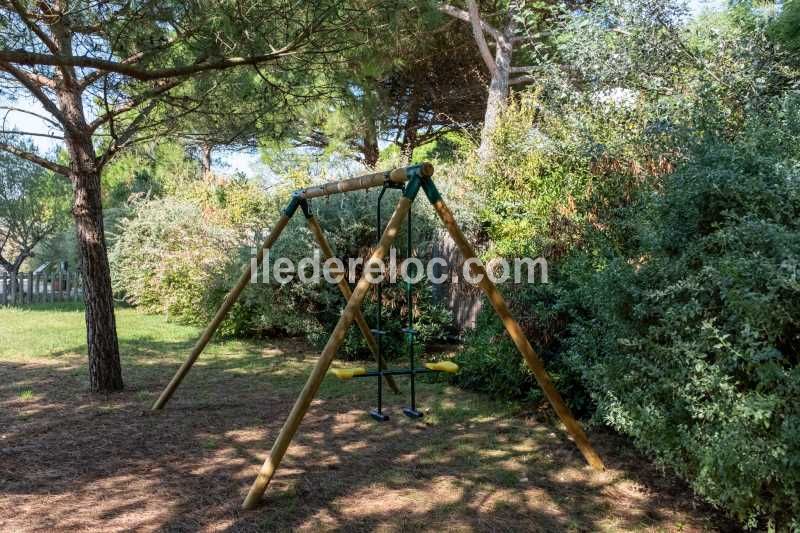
{"type": "Point", "coordinates": [227, 303]}
{"type": "Point", "coordinates": [344, 287]}
{"type": "Point", "coordinates": [67, 285]}
{"type": "Point", "coordinates": [318, 373]}
{"type": "Point", "coordinates": [519, 338]}
{"type": "Point", "coordinates": [3, 287]}
{"type": "Point", "coordinates": [30, 288]}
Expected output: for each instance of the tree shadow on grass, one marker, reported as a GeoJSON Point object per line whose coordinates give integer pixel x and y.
{"type": "Point", "coordinates": [72, 460]}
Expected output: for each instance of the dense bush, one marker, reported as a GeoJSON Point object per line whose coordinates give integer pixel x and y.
{"type": "Point", "coordinates": [179, 256]}
{"type": "Point", "coordinates": [490, 362]}
{"type": "Point", "coordinates": [672, 312]}
{"type": "Point", "coordinates": [559, 169]}
{"type": "Point", "coordinates": [166, 254]}
{"type": "Point", "coordinates": [691, 344]}
{"type": "Point", "coordinates": [676, 320]}
{"type": "Point", "coordinates": [169, 253]}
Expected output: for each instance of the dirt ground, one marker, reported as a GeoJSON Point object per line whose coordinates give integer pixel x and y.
{"type": "Point", "coordinates": [70, 461]}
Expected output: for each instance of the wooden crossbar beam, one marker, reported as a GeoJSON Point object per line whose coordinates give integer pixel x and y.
{"type": "Point", "coordinates": [375, 179]}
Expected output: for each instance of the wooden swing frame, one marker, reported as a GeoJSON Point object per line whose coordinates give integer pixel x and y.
{"type": "Point", "coordinates": [414, 178]}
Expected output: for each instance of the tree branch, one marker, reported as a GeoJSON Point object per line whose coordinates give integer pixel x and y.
{"type": "Point", "coordinates": [522, 70]}
{"type": "Point", "coordinates": [31, 133]}
{"type": "Point", "coordinates": [31, 83]}
{"type": "Point", "coordinates": [119, 143]}
{"type": "Point", "coordinates": [25, 16]}
{"type": "Point", "coordinates": [32, 59]}
{"type": "Point", "coordinates": [109, 115]}
{"type": "Point", "coordinates": [521, 79]}
{"type": "Point", "coordinates": [130, 60]}
{"type": "Point", "coordinates": [477, 33]}
{"type": "Point", "coordinates": [463, 15]}
{"type": "Point", "coordinates": [33, 158]}
{"type": "Point", "coordinates": [37, 115]}
{"type": "Point", "coordinates": [96, 75]}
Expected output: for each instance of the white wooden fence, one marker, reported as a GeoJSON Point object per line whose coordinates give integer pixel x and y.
{"type": "Point", "coordinates": [40, 288]}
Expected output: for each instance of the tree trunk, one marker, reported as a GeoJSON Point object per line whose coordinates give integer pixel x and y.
{"type": "Point", "coordinates": [206, 161]}
{"type": "Point", "coordinates": [409, 142]}
{"type": "Point", "coordinates": [498, 92]}
{"type": "Point", "coordinates": [13, 271]}
{"type": "Point", "coordinates": [370, 149]}
{"type": "Point", "coordinates": [105, 371]}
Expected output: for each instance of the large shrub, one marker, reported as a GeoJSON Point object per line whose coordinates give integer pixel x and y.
{"type": "Point", "coordinates": [690, 344]}
{"type": "Point", "coordinates": [166, 254]}
{"type": "Point", "coordinates": [560, 168]}
{"type": "Point", "coordinates": [179, 255]}
{"type": "Point", "coordinates": [491, 363]}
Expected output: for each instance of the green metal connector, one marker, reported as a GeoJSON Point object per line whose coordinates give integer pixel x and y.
{"type": "Point", "coordinates": [430, 190]}
{"type": "Point", "coordinates": [294, 203]}
{"type": "Point", "coordinates": [412, 187]}
{"type": "Point", "coordinates": [423, 170]}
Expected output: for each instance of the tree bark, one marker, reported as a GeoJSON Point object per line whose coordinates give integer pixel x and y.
{"type": "Point", "coordinates": [206, 161]}
{"type": "Point", "coordinates": [498, 92]}
{"type": "Point", "coordinates": [370, 149]}
{"type": "Point", "coordinates": [409, 142]}
{"type": "Point", "coordinates": [105, 371]}
{"type": "Point", "coordinates": [13, 271]}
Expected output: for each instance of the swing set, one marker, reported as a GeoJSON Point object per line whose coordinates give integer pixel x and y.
{"type": "Point", "coordinates": [409, 180]}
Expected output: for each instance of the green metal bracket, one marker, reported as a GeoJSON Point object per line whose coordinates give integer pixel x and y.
{"type": "Point", "coordinates": [297, 201]}
{"type": "Point", "coordinates": [412, 187]}
{"type": "Point", "coordinates": [430, 190]}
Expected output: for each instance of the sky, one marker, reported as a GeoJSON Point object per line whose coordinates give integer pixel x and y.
{"type": "Point", "coordinates": [246, 162]}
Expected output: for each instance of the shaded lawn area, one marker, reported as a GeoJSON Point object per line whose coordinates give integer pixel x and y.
{"type": "Point", "coordinates": [70, 460]}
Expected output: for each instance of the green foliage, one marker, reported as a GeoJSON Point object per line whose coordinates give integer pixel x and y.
{"type": "Point", "coordinates": [671, 312]}
{"type": "Point", "coordinates": [34, 205]}
{"type": "Point", "coordinates": [166, 254]}
{"type": "Point", "coordinates": [445, 149]}
{"type": "Point", "coordinates": [558, 163]}
{"type": "Point", "coordinates": [690, 344]}
{"type": "Point", "coordinates": [786, 29]}
{"type": "Point", "coordinates": [150, 170]}
{"type": "Point", "coordinates": [490, 363]}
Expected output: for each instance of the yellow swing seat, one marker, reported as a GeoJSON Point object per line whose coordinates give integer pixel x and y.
{"type": "Point", "coordinates": [348, 373]}
{"type": "Point", "coordinates": [443, 366]}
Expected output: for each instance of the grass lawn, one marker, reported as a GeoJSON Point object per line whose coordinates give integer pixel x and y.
{"type": "Point", "coordinates": [70, 460]}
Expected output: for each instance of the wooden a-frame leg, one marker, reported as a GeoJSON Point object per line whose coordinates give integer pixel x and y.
{"type": "Point", "coordinates": [344, 287]}
{"type": "Point", "coordinates": [519, 338]}
{"type": "Point", "coordinates": [318, 373]}
{"type": "Point", "coordinates": [227, 303]}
